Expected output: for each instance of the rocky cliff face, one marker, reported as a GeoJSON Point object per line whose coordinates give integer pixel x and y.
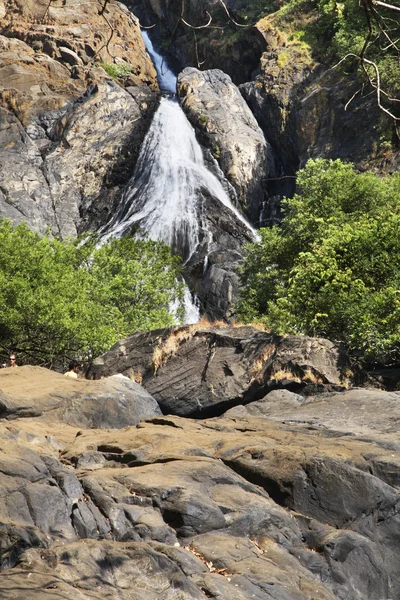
{"type": "Point", "coordinates": [234, 49]}
{"type": "Point", "coordinates": [302, 109]}
{"type": "Point", "coordinates": [68, 133]}
{"type": "Point", "coordinates": [229, 130]}
{"type": "Point", "coordinates": [290, 497]}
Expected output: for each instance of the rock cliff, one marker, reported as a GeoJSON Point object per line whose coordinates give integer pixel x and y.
{"type": "Point", "coordinates": [293, 496]}
{"type": "Point", "coordinates": [235, 49]}
{"type": "Point", "coordinates": [69, 134]}
{"type": "Point", "coordinates": [229, 130]}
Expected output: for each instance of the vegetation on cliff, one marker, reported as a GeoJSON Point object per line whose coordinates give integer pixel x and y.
{"type": "Point", "coordinates": [62, 300]}
{"type": "Point", "coordinates": [332, 268]}
{"type": "Point", "coordinates": [362, 34]}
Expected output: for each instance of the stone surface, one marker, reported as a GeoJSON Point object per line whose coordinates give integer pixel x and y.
{"type": "Point", "coordinates": [356, 411]}
{"type": "Point", "coordinates": [292, 498]}
{"type": "Point", "coordinates": [35, 392]}
{"type": "Point", "coordinates": [67, 164]}
{"type": "Point", "coordinates": [201, 370]}
{"type": "Point", "coordinates": [302, 107]}
{"type": "Point", "coordinates": [230, 131]}
{"type": "Point", "coordinates": [69, 136]}
{"type": "Point", "coordinates": [234, 49]}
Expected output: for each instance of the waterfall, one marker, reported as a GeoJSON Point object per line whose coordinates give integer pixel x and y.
{"type": "Point", "coordinates": [166, 78]}
{"type": "Point", "coordinates": [163, 199]}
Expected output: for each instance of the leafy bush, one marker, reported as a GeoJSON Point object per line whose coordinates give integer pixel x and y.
{"type": "Point", "coordinates": [117, 70]}
{"type": "Point", "coordinates": [63, 300]}
{"type": "Point", "coordinates": [332, 267]}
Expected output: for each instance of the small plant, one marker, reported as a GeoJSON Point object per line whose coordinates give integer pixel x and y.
{"type": "Point", "coordinates": [117, 70]}
{"type": "Point", "coordinates": [283, 59]}
{"type": "Point", "coordinates": [203, 119]}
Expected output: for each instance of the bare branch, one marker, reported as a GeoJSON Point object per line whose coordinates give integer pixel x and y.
{"type": "Point", "coordinates": [384, 5]}
{"type": "Point", "coordinates": [229, 14]}
{"type": "Point", "coordinates": [200, 26]}
{"type": "Point", "coordinates": [376, 85]}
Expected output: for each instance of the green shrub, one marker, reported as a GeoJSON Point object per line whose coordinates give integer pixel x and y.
{"type": "Point", "coordinates": [63, 300]}
{"type": "Point", "coordinates": [332, 267]}
{"type": "Point", "coordinates": [117, 70]}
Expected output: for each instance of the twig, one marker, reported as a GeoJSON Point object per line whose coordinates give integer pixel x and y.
{"type": "Point", "coordinates": [200, 26]}
{"type": "Point", "coordinates": [229, 15]}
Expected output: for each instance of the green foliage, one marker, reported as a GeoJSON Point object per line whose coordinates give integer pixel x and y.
{"type": "Point", "coordinates": [63, 300]}
{"type": "Point", "coordinates": [203, 119]}
{"type": "Point", "coordinates": [333, 267]}
{"type": "Point", "coordinates": [117, 70]}
{"type": "Point", "coordinates": [332, 29]}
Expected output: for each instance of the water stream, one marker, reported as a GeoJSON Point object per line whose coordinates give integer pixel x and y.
{"type": "Point", "coordinates": [163, 199]}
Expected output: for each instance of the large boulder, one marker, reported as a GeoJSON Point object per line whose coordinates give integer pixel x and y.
{"type": "Point", "coordinates": [201, 370]}
{"type": "Point", "coordinates": [228, 128]}
{"type": "Point", "coordinates": [112, 402]}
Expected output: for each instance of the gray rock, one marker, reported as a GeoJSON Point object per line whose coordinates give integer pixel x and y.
{"type": "Point", "coordinates": [114, 402]}
{"type": "Point", "coordinates": [356, 411]}
{"type": "Point", "coordinates": [69, 56]}
{"type": "Point", "coordinates": [228, 128]}
{"type": "Point", "coordinates": [204, 371]}
{"type": "Point", "coordinates": [276, 400]}
{"type": "Point", "coordinates": [130, 571]}
{"type": "Point", "coordinates": [87, 149]}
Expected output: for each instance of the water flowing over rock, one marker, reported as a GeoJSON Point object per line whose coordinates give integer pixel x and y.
{"type": "Point", "coordinates": [228, 128]}
{"type": "Point", "coordinates": [176, 196]}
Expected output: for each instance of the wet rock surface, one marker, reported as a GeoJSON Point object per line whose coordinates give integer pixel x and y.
{"type": "Point", "coordinates": [212, 272]}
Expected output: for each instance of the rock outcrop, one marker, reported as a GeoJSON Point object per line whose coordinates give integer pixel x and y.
{"type": "Point", "coordinates": [69, 135]}
{"type": "Point", "coordinates": [201, 370]}
{"type": "Point", "coordinates": [112, 402]}
{"type": "Point", "coordinates": [309, 110]}
{"type": "Point", "coordinates": [65, 164]}
{"type": "Point", "coordinates": [235, 49]}
{"type": "Point", "coordinates": [296, 500]}
{"type": "Point", "coordinates": [228, 129]}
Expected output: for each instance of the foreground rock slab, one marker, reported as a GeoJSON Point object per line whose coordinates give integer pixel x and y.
{"type": "Point", "coordinates": [35, 392]}
{"type": "Point", "coordinates": [236, 507]}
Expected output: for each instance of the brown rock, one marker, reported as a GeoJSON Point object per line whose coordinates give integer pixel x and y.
{"type": "Point", "coordinates": [36, 392]}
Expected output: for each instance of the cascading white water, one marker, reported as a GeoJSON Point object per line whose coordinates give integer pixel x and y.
{"type": "Point", "coordinates": [163, 198]}
{"type": "Point", "coordinates": [164, 194]}
{"type": "Point", "coordinates": [166, 78]}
